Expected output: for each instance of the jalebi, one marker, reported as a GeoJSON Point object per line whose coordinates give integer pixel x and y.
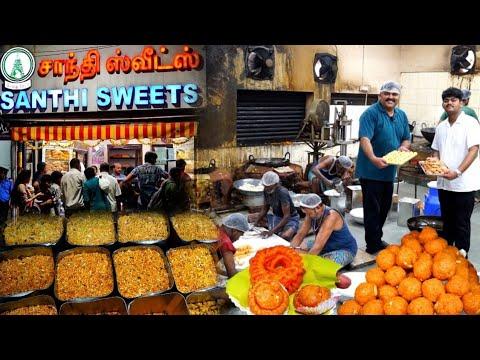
{"type": "Point", "coordinates": [278, 263]}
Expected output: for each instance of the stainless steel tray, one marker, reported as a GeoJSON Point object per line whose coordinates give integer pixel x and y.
{"type": "Point", "coordinates": [49, 243]}
{"type": "Point", "coordinates": [24, 251]}
{"type": "Point", "coordinates": [79, 250]}
{"type": "Point", "coordinates": [67, 224]}
{"type": "Point", "coordinates": [95, 307]}
{"type": "Point", "coordinates": [215, 261]}
{"type": "Point", "coordinates": [31, 301]}
{"type": "Point", "coordinates": [145, 242]}
{"type": "Point", "coordinates": [170, 304]}
{"type": "Point", "coordinates": [186, 242]}
{"type": "Point", "coordinates": [215, 294]}
{"type": "Point", "coordinates": [167, 266]}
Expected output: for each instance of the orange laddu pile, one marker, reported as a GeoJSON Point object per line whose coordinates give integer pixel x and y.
{"type": "Point", "coordinates": [280, 263]}
{"type": "Point", "coordinates": [423, 276]}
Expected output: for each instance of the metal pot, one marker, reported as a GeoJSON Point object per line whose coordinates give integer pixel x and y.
{"type": "Point", "coordinates": [419, 222]}
{"type": "Point", "coordinates": [428, 132]}
{"type": "Point", "coordinates": [271, 162]}
{"type": "Point", "coordinates": [250, 198]}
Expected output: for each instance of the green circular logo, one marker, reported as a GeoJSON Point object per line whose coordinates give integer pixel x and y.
{"type": "Point", "coordinates": [17, 65]}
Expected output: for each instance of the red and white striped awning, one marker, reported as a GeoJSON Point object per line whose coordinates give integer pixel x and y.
{"type": "Point", "coordinates": [149, 130]}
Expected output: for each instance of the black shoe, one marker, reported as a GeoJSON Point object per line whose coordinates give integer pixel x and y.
{"type": "Point", "coordinates": [377, 248]}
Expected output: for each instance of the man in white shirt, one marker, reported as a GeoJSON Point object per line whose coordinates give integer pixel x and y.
{"type": "Point", "coordinates": [456, 143]}
{"type": "Point", "coordinates": [113, 190]}
{"type": "Point", "coordinates": [72, 188]}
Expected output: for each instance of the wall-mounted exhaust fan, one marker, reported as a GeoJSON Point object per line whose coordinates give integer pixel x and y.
{"type": "Point", "coordinates": [463, 59]}
{"type": "Point", "coordinates": [325, 68]}
{"type": "Point", "coordinates": [260, 62]}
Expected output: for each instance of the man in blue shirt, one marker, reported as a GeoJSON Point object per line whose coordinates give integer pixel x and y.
{"type": "Point", "coordinates": [6, 186]}
{"type": "Point", "coordinates": [383, 128]}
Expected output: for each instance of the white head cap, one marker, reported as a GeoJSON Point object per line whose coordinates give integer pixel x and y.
{"type": "Point", "coordinates": [391, 86]}
{"type": "Point", "coordinates": [236, 221]}
{"type": "Point", "coordinates": [270, 178]}
{"type": "Point", "coordinates": [310, 201]}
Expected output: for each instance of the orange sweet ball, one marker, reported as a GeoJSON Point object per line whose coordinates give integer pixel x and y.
{"type": "Point", "coordinates": [432, 289]}
{"type": "Point", "coordinates": [375, 276]}
{"type": "Point", "coordinates": [428, 233]}
{"type": "Point", "coordinates": [350, 307]}
{"type": "Point", "coordinates": [457, 285]}
{"type": "Point", "coordinates": [442, 254]}
{"type": "Point", "coordinates": [395, 306]}
{"type": "Point", "coordinates": [422, 268]}
{"type": "Point", "coordinates": [415, 233]}
{"type": "Point", "coordinates": [395, 275]}
{"type": "Point", "coordinates": [413, 244]}
{"type": "Point", "coordinates": [373, 307]}
{"type": "Point", "coordinates": [406, 257]}
{"type": "Point", "coordinates": [393, 248]}
{"type": "Point", "coordinates": [475, 289]}
{"type": "Point", "coordinates": [452, 250]}
{"type": "Point", "coordinates": [436, 245]}
{"type": "Point", "coordinates": [472, 274]}
{"type": "Point", "coordinates": [385, 259]}
{"type": "Point", "coordinates": [420, 306]}
{"type": "Point", "coordinates": [462, 270]}
{"type": "Point", "coordinates": [448, 304]}
{"type": "Point", "coordinates": [410, 288]}
{"type": "Point", "coordinates": [444, 268]}
{"type": "Point", "coordinates": [365, 292]}
{"type": "Point", "coordinates": [471, 303]}
{"type": "Point", "coordinates": [387, 291]}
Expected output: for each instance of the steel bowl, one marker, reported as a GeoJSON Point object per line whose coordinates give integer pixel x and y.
{"type": "Point", "coordinates": [256, 182]}
{"type": "Point", "coordinates": [419, 222]}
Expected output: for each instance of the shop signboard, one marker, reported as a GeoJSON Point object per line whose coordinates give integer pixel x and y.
{"type": "Point", "coordinates": [72, 79]}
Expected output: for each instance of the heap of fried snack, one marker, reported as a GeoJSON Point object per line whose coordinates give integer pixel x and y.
{"type": "Point", "coordinates": [33, 310]}
{"type": "Point", "coordinates": [423, 276]}
{"type": "Point", "coordinates": [275, 273]}
{"type": "Point", "coordinates": [91, 229]}
{"type": "Point", "coordinates": [191, 226]}
{"type": "Point", "coordinates": [34, 229]}
{"type": "Point", "coordinates": [433, 166]}
{"type": "Point", "coordinates": [140, 271]}
{"type": "Point", "coordinates": [193, 268]}
{"type": "Point", "coordinates": [84, 275]}
{"type": "Point", "coordinates": [396, 157]}
{"type": "Point", "coordinates": [210, 306]}
{"type": "Point", "coordinates": [142, 226]}
{"type": "Point", "coordinates": [26, 273]}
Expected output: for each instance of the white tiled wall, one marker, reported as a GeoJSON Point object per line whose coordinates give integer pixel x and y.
{"type": "Point", "coordinates": [421, 95]}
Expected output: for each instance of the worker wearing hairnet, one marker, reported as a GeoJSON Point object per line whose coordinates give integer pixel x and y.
{"type": "Point", "coordinates": [465, 108]}
{"type": "Point", "coordinates": [285, 219]}
{"type": "Point", "coordinates": [333, 239]}
{"type": "Point", "coordinates": [233, 226]}
{"type": "Point", "coordinates": [330, 169]}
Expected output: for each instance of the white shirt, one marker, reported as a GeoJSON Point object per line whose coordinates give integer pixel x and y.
{"type": "Point", "coordinates": [453, 142]}
{"type": "Point", "coordinates": [113, 190]}
{"type": "Point", "coordinates": [72, 189]}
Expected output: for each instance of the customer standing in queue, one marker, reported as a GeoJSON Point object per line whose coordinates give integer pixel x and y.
{"type": "Point", "coordinates": [285, 219]}
{"type": "Point", "coordinates": [456, 143]}
{"type": "Point", "coordinates": [149, 178]}
{"type": "Point", "coordinates": [72, 188]}
{"type": "Point", "coordinates": [383, 128]}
